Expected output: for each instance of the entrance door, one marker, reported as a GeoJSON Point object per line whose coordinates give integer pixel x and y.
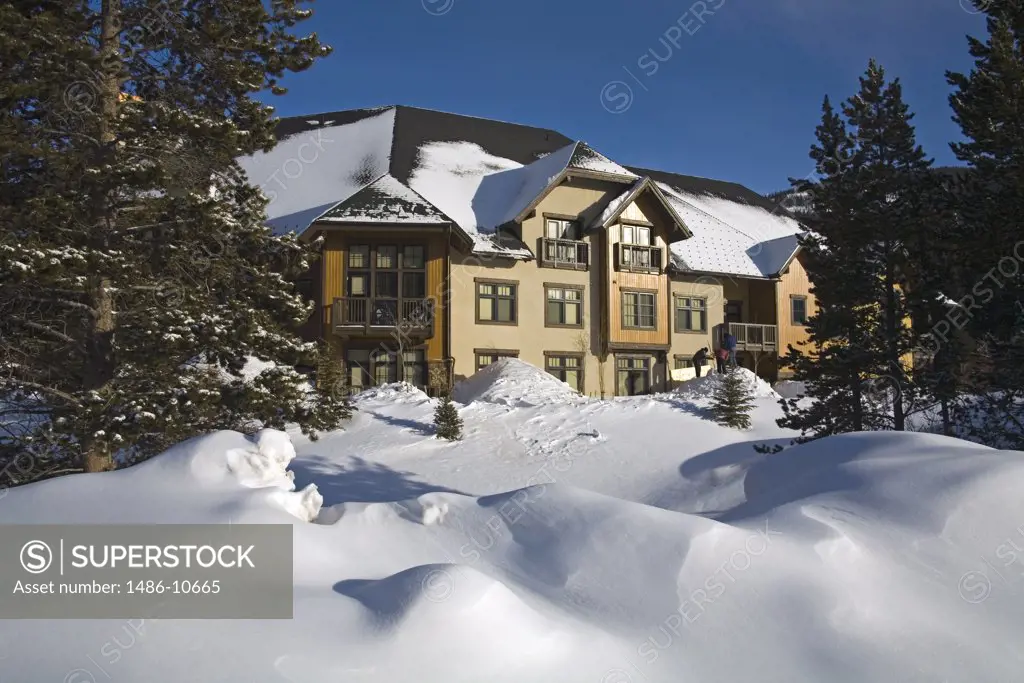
{"type": "Point", "coordinates": [633, 376]}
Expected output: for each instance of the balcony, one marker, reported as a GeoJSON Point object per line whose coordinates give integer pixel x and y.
{"type": "Point", "coordinates": [570, 254]}
{"type": "Point", "coordinates": [751, 337]}
{"type": "Point", "coordinates": [365, 316]}
{"type": "Point", "coordinates": [637, 258]}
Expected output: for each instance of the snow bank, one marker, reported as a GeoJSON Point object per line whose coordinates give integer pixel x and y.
{"type": "Point", "coordinates": [864, 557]}
{"type": "Point", "coordinates": [397, 392]}
{"type": "Point", "coordinates": [703, 388]}
{"type": "Point", "coordinates": [788, 388]}
{"type": "Point", "coordinates": [515, 383]}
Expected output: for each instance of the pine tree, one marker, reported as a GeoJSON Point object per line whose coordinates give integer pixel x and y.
{"type": "Point", "coordinates": [868, 164]}
{"type": "Point", "coordinates": [447, 423]}
{"type": "Point", "coordinates": [732, 401]}
{"type": "Point", "coordinates": [986, 104]}
{"type": "Point", "coordinates": [136, 275]}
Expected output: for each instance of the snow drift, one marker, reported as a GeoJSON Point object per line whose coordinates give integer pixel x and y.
{"type": "Point", "coordinates": [881, 557]}
{"type": "Point", "coordinates": [515, 383]}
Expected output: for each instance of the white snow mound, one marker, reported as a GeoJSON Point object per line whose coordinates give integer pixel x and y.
{"type": "Point", "coordinates": [515, 383]}
{"type": "Point", "coordinates": [704, 387]}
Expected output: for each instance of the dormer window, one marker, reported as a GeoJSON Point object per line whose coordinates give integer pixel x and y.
{"type": "Point", "coordinates": [562, 229]}
{"type": "Point", "coordinates": [636, 234]}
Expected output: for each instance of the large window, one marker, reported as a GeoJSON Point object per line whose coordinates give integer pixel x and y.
{"type": "Point", "coordinates": [485, 357]}
{"type": "Point", "coordinates": [496, 302]}
{"type": "Point", "coordinates": [799, 306]}
{"type": "Point", "coordinates": [369, 367]}
{"type": "Point", "coordinates": [387, 276]}
{"type": "Point", "coordinates": [566, 367]}
{"type": "Point", "coordinates": [636, 234]}
{"type": "Point", "coordinates": [564, 306]}
{"type": "Point", "coordinates": [561, 229]}
{"type": "Point", "coordinates": [691, 314]}
{"type": "Point", "coordinates": [632, 375]}
{"type": "Point", "coordinates": [639, 310]}
{"type": "Point", "coordinates": [733, 312]}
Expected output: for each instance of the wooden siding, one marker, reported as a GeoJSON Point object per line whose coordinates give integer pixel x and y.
{"type": "Point", "coordinates": [332, 272]}
{"type": "Point", "coordinates": [620, 281]}
{"type": "Point", "coordinates": [793, 283]}
{"type": "Point", "coordinates": [332, 275]}
{"type": "Point", "coordinates": [437, 287]}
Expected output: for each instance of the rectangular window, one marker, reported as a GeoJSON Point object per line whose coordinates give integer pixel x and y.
{"type": "Point", "coordinates": [733, 311]}
{"type": "Point", "coordinates": [682, 363]}
{"type": "Point", "coordinates": [632, 375]}
{"type": "Point", "coordinates": [568, 368]}
{"type": "Point", "coordinates": [387, 257]}
{"type": "Point", "coordinates": [359, 256]}
{"type": "Point", "coordinates": [488, 356]}
{"type": "Point", "coordinates": [559, 229]}
{"type": "Point", "coordinates": [496, 302]}
{"type": "Point", "coordinates": [799, 304]}
{"type": "Point", "coordinates": [564, 307]}
{"type": "Point", "coordinates": [412, 258]}
{"type": "Point", "coordinates": [357, 365]}
{"type": "Point", "coordinates": [691, 314]}
{"type": "Point", "coordinates": [414, 367]}
{"type": "Point", "coordinates": [636, 234]}
{"type": "Point", "coordinates": [414, 285]}
{"type": "Point", "coordinates": [639, 310]}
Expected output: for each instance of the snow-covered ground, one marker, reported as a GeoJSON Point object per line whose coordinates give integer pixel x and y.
{"type": "Point", "coordinates": [569, 539]}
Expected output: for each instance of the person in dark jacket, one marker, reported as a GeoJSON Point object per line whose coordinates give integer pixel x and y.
{"type": "Point", "coordinates": [700, 358]}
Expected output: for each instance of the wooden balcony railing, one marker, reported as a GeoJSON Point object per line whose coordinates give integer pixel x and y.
{"type": "Point", "coordinates": [363, 315]}
{"type": "Point", "coordinates": [638, 258]}
{"type": "Point", "coordinates": [752, 337]}
{"type": "Point", "coordinates": [564, 253]}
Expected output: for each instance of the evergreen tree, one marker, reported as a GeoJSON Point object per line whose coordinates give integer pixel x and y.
{"type": "Point", "coordinates": [447, 423]}
{"type": "Point", "coordinates": [136, 275]}
{"type": "Point", "coordinates": [868, 164]}
{"type": "Point", "coordinates": [732, 401]}
{"type": "Point", "coordinates": [987, 104]}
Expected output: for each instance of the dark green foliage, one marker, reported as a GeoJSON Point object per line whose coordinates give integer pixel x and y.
{"type": "Point", "coordinates": [136, 276]}
{"type": "Point", "coordinates": [987, 104]}
{"type": "Point", "coordinates": [867, 163]}
{"type": "Point", "coordinates": [447, 423]}
{"type": "Point", "coordinates": [732, 401]}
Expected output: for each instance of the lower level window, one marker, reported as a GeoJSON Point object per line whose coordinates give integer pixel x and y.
{"type": "Point", "coordinates": [366, 367]}
{"type": "Point", "coordinates": [682, 363]}
{"type": "Point", "coordinates": [485, 358]}
{"type": "Point", "coordinates": [633, 375]}
{"type": "Point", "coordinates": [566, 368]}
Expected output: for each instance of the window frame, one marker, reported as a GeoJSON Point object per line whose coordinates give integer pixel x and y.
{"type": "Point", "coordinates": [648, 371]}
{"type": "Point", "coordinates": [514, 284]}
{"type": "Point", "coordinates": [562, 355]}
{"type": "Point", "coordinates": [497, 353]}
{"type": "Point", "coordinates": [548, 286]}
{"type": "Point", "coordinates": [373, 363]}
{"type": "Point", "coordinates": [622, 308]}
{"type": "Point", "coordinates": [572, 222]}
{"type": "Point", "coordinates": [676, 299]}
{"type": "Point", "coordinates": [793, 298]}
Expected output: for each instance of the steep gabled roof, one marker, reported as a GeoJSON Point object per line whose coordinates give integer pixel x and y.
{"type": "Point", "coordinates": [618, 204]}
{"type": "Point", "coordinates": [385, 200]}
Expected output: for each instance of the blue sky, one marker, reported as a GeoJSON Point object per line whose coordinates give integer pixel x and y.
{"type": "Point", "coordinates": [728, 89]}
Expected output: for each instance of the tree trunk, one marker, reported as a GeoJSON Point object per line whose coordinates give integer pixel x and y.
{"type": "Point", "coordinates": [892, 342]}
{"type": "Point", "coordinates": [100, 369]}
{"type": "Point", "coordinates": [947, 426]}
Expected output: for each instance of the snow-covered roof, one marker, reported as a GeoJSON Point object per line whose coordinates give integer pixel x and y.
{"type": "Point", "coordinates": [309, 172]}
{"type": "Point", "coordinates": [407, 165]}
{"type": "Point", "coordinates": [385, 200]}
{"type": "Point", "coordinates": [731, 237]}
{"type": "Point", "coordinates": [618, 204]}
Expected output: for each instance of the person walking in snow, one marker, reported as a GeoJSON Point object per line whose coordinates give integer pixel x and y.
{"type": "Point", "coordinates": [729, 344]}
{"type": "Point", "coordinates": [700, 358]}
